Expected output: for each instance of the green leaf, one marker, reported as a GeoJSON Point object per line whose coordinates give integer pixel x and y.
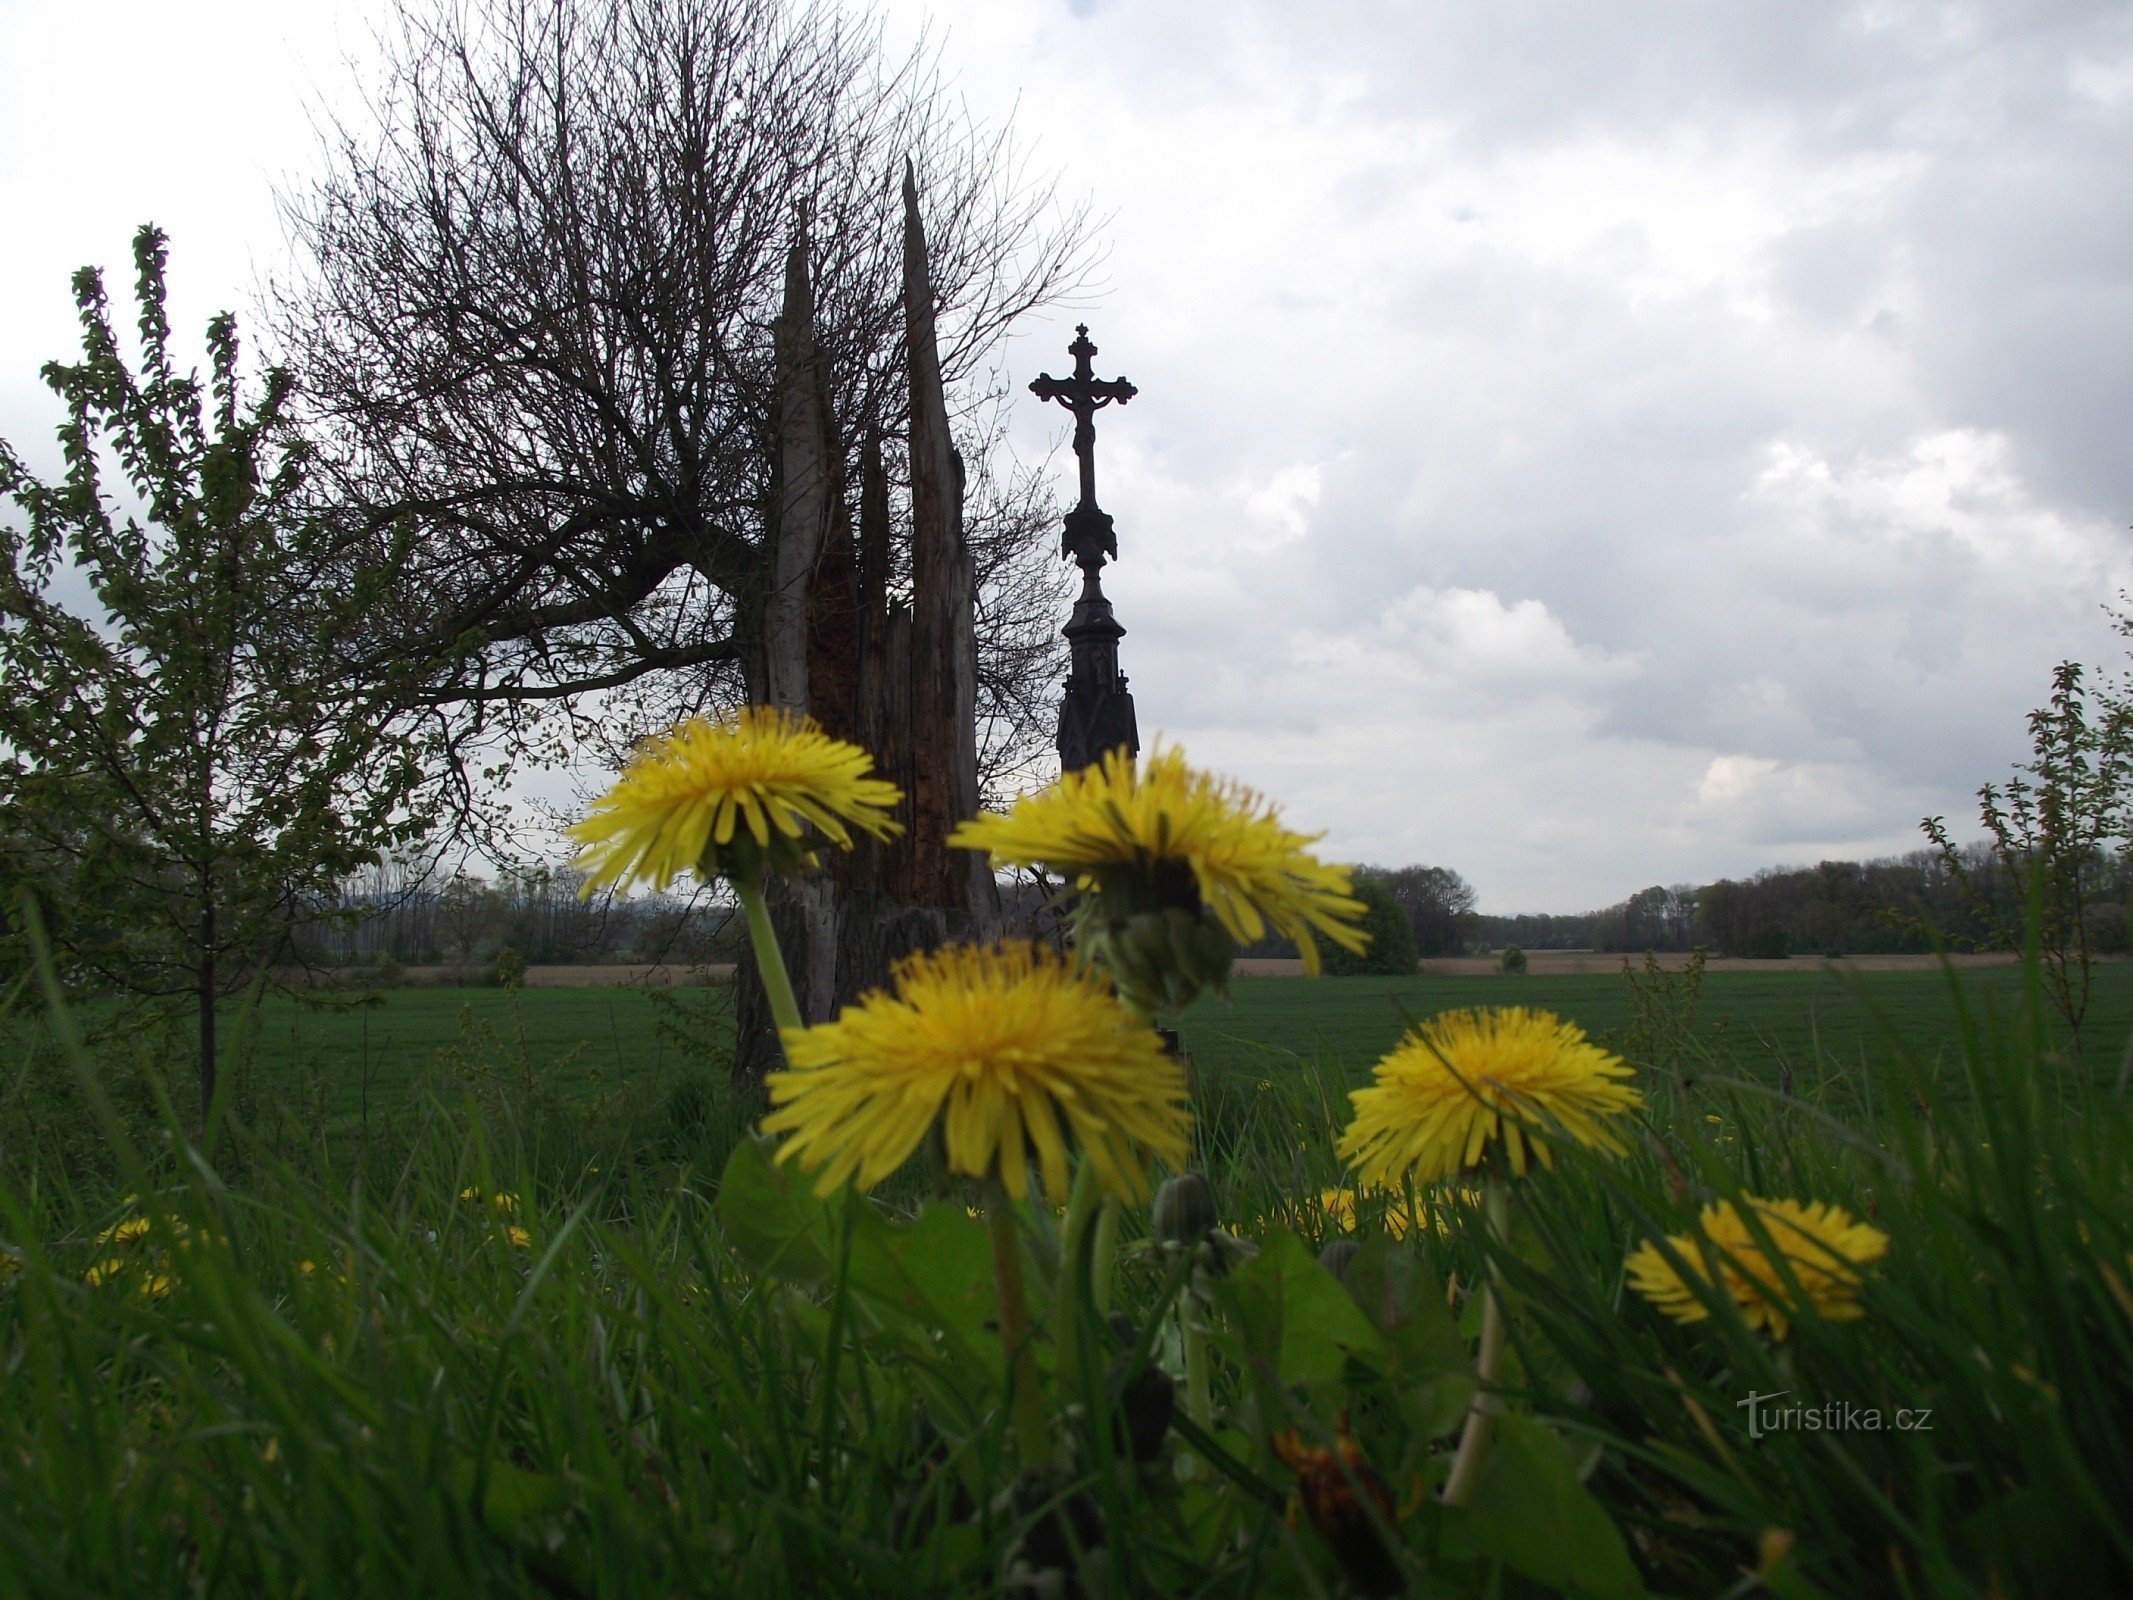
{"type": "Point", "coordinates": [1292, 1320]}
{"type": "Point", "coordinates": [512, 1495]}
{"type": "Point", "coordinates": [1433, 1408]}
{"type": "Point", "coordinates": [933, 1276]}
{"type": "Point", "coordinates": [2038, 1537]}
{"type": "Point", "coordinates": [1530, 1512]}
{"type": "Point", "coordinates": [771, 1218]}
{"type": "Point", "coordinates": [1405, 1302]}
{"type": "Point", "coordinates": [938, 1268]}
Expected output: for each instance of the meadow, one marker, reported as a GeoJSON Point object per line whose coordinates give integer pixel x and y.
{"type": "Point", "coordinates": [490, 1292]}
{"type": "Point", "coordinates": [1834, 1031]}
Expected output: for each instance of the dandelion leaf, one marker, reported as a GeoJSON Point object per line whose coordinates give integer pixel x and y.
{"type": "Point", "coordinates": [771, 1218]}
{"type": "Point", "coordinates": [1294, 1321]}
{"type": "Point", "coordinates": [1530, 1512]}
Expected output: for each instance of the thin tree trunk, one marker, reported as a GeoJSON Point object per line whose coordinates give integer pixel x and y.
{"type": "Point", "coordinates": [206, 995]}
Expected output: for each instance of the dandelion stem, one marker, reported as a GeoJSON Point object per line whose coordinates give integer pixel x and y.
{"type": "Point", "coordinates": [769, 959]}
{"type": "Point", "coordinates": [1481, 1419]}
{"type": "Point", "coordinates": [1026, 1404]}
{"type": "Point", "coordinates": [1080, 1204]}
{"type": "Point", "coordinates": [1103, 1259]}
{"type": "Point", "coordinates": [1199, 1394]}
{"type": "Point", "coordinates": [1073, 1234]}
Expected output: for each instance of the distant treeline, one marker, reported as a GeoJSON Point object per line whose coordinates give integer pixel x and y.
{"type": "Point", "coordinates": [1884, 906]}
{"type": "Point", "coordinates": [402, 913]}
{"type": "Point", "coordinates": [409, 913]}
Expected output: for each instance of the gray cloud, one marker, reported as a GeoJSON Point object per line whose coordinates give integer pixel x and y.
{"type": "Point", "coordinates": [1586, 446]}
{"type": "Point", "coordinates": [1600, 446]}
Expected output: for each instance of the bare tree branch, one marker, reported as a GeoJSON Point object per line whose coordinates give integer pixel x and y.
{"type": "Point", "coordinates": [534, 323]}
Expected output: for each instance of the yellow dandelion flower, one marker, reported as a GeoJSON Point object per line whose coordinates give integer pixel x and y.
{"type": "Point", "coordinates": [154, 1286]}
{"type": "Point", "coordinates": [1825, 1250]}
{"type": "Point", "coordinates": [104, 1271]}
{"type": "Point", "coordinates": [311, 1269]}
{"type": "Point", "coordinates": [1159, 837]}
{"type": "Point", "coordinates": [727, 797]}
{"type": "Point", "coordinates": [130, 1231]}
{"type": "Point", "coordinates": [1465, 1078]}
{"type": "Point", "coordinates": [1339, 1207]}
{"type": "Point", "coordinates": [519, 1237]}
{"type": "Point", "coordinates": [1010, 1049]}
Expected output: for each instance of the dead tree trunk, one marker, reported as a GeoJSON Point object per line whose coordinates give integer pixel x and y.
{"type": "Point", "coordinates": [899, 679]}
{"type": "Point", "coordinates": [805, 622]}
{"type": "Point", "coordinates": [944, 662]}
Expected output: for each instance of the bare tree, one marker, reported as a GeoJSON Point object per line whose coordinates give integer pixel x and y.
{"type": "Point", "coordinates": [535, 323]}
{"type": "Point", "coordinates": [1011, 521]}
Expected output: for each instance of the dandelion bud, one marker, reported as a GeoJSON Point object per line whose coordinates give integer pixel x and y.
{"type": "Point", "coordinates": [1184, 1211]}
{"type": "Point", "coordinates": [1338, 1256]}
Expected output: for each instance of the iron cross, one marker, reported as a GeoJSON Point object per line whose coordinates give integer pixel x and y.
{"type": "Point", "coordinates": [1084, 394]}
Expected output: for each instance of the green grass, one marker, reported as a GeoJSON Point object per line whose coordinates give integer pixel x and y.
{"type": "Point", "coordinates": [584, 1041]}
{"type": "Point", "coordinates": [594, 1039]}
{"type": "Point", "coordinates": [680, 1384]}
{"type": "Point", "coordinates": [1827, 1026]}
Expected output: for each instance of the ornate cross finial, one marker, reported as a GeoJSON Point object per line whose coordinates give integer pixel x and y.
{"type": "Point", "coordinates": [1088, 531]}
{"type": "Point", "coordinates": [1097, 714]}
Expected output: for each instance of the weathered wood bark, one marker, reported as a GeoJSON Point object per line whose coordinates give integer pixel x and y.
{"type": "Point", "coordinates": [807, 619]}
{"type": "Point", "coordinates": [872, 860]}
{"type": "Point", "coordinates": [806, 493]}
{"type": "Point", "coordinates": [943, 676]}
{"type": "Point", "coordinates": [899, 878]}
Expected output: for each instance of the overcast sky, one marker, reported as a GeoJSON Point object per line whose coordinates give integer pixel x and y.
{"type": "Point", "coordinates": [1584, 446]}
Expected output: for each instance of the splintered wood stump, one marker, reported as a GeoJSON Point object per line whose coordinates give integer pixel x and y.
{"type": "Point", "coordinates": [899, 679]}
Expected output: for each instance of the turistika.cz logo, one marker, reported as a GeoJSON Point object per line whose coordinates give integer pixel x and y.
{"type": "Point", "coordinates": [1766, 1416]}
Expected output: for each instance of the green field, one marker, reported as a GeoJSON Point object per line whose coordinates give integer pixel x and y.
{"type": "Point", "coordinates": [1819, 1023]}
{"type": "Point", "coordinates": [595, 1040]}
{"type": "Point", "coordinates": [411, 1038]}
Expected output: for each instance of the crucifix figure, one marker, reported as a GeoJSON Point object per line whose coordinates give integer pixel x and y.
{"type": "Point", "coordinates": [1097, 714]}
{"type": "Point", "coordinates": [1084, 394]}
